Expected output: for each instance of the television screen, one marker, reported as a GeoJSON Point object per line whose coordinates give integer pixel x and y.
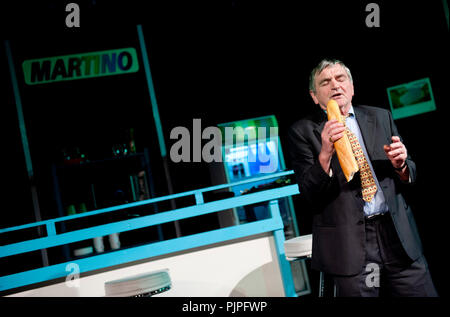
{"type": "Point", "coordinates": [411, 99]}
{"type": "Point", "coordinates": [251, 160]}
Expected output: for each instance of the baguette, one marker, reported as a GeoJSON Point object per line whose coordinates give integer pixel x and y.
{"type": "Point", "coordinates": [343, 147]}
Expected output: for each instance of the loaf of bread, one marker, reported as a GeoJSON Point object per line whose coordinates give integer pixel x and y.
{"type": "Point", "coordinates": [343, 147]}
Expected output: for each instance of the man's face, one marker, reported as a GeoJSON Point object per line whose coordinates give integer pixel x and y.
{"type": "Point", "coordinates": [333, 83]}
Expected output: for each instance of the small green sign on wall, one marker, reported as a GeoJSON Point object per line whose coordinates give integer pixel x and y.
{"type": "Point", "coordinates": [80, 66]}
{"type": "Point", "coordinates": [411, 99]}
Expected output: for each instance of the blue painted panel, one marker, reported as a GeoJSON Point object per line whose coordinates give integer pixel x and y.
{"type": "Point", "coordinates": [138, 253]}
{"type": "Point", "coordinates": [285, 268]}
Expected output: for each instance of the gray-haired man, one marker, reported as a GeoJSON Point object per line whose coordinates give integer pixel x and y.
{"type": "Point", "coordinates": [368, 247]}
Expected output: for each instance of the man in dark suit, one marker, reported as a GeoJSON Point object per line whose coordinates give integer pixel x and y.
{"type": "Point", "coordinates": [369, 245]}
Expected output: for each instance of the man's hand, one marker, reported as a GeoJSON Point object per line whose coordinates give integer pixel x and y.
{"type": "Point", "coordinates": [397, 154]}
{"type": "Point", "coordinates": [332, 131]}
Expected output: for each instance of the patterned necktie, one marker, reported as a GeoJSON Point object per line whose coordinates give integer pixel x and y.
{"type": "Point", "coordinates": [369, 188]}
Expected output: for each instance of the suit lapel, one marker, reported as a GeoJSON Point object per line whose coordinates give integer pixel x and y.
{"type": "Point", "coordinates": [320, 118]}
{"type": "Point", "coordinates": [367, 124]}
{"type": "Point", "coordinates": [318, 130]}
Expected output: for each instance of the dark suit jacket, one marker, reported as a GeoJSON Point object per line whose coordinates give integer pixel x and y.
{"type": "Point", "coordinates": [338, 219]}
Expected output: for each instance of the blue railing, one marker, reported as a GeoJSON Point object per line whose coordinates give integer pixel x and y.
{"type": "Point", "coordinates": [272, 224]}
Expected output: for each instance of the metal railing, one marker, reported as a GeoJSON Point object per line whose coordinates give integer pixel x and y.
{"type": "Point", "coordinates": [272, 224]}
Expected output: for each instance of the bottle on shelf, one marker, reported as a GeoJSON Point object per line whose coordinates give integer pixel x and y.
{"type": "Point", "coordinates": [71, 210]}
{"type": "Point", "coordinates": [114, 241]}
{"type": "Point", "coordinates": [125, 144]}
{"type": "Point", "coordinates": [73, 155]}
{"type": "Point", "coordinates": [81, 248]}
{"type": "Point", "coordinates": [132, 144]}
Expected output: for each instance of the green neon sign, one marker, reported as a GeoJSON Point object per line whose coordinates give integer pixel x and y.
{"type": "Point", "coordinates": [80, 66]}
{"type": "Point", "coordinates": [249, 128]}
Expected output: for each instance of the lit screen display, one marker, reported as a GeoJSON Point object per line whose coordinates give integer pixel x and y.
{"type": "Point", "coordinates": [247, 160]}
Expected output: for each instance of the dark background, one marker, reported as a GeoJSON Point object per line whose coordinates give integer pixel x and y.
{"type": "Point", "coordinates": [220, 63]}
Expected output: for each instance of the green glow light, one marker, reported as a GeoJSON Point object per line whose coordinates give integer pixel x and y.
{"type": "Point", "coordinates": [411, 98]}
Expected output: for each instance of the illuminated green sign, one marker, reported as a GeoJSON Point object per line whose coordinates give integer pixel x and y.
{"type": "Point", "coordinates": [411, 98]}
{"type": "Point", "coordinates": [248, 128]}
{"type": "Point", "coordinates": [80, 66]}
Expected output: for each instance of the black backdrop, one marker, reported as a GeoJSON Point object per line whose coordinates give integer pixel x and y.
{"type": "Point", "coordinates": [220, 63]}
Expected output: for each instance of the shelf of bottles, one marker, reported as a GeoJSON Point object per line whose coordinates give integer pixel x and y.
{"type": "Point", "coordinates": [81, 184]}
